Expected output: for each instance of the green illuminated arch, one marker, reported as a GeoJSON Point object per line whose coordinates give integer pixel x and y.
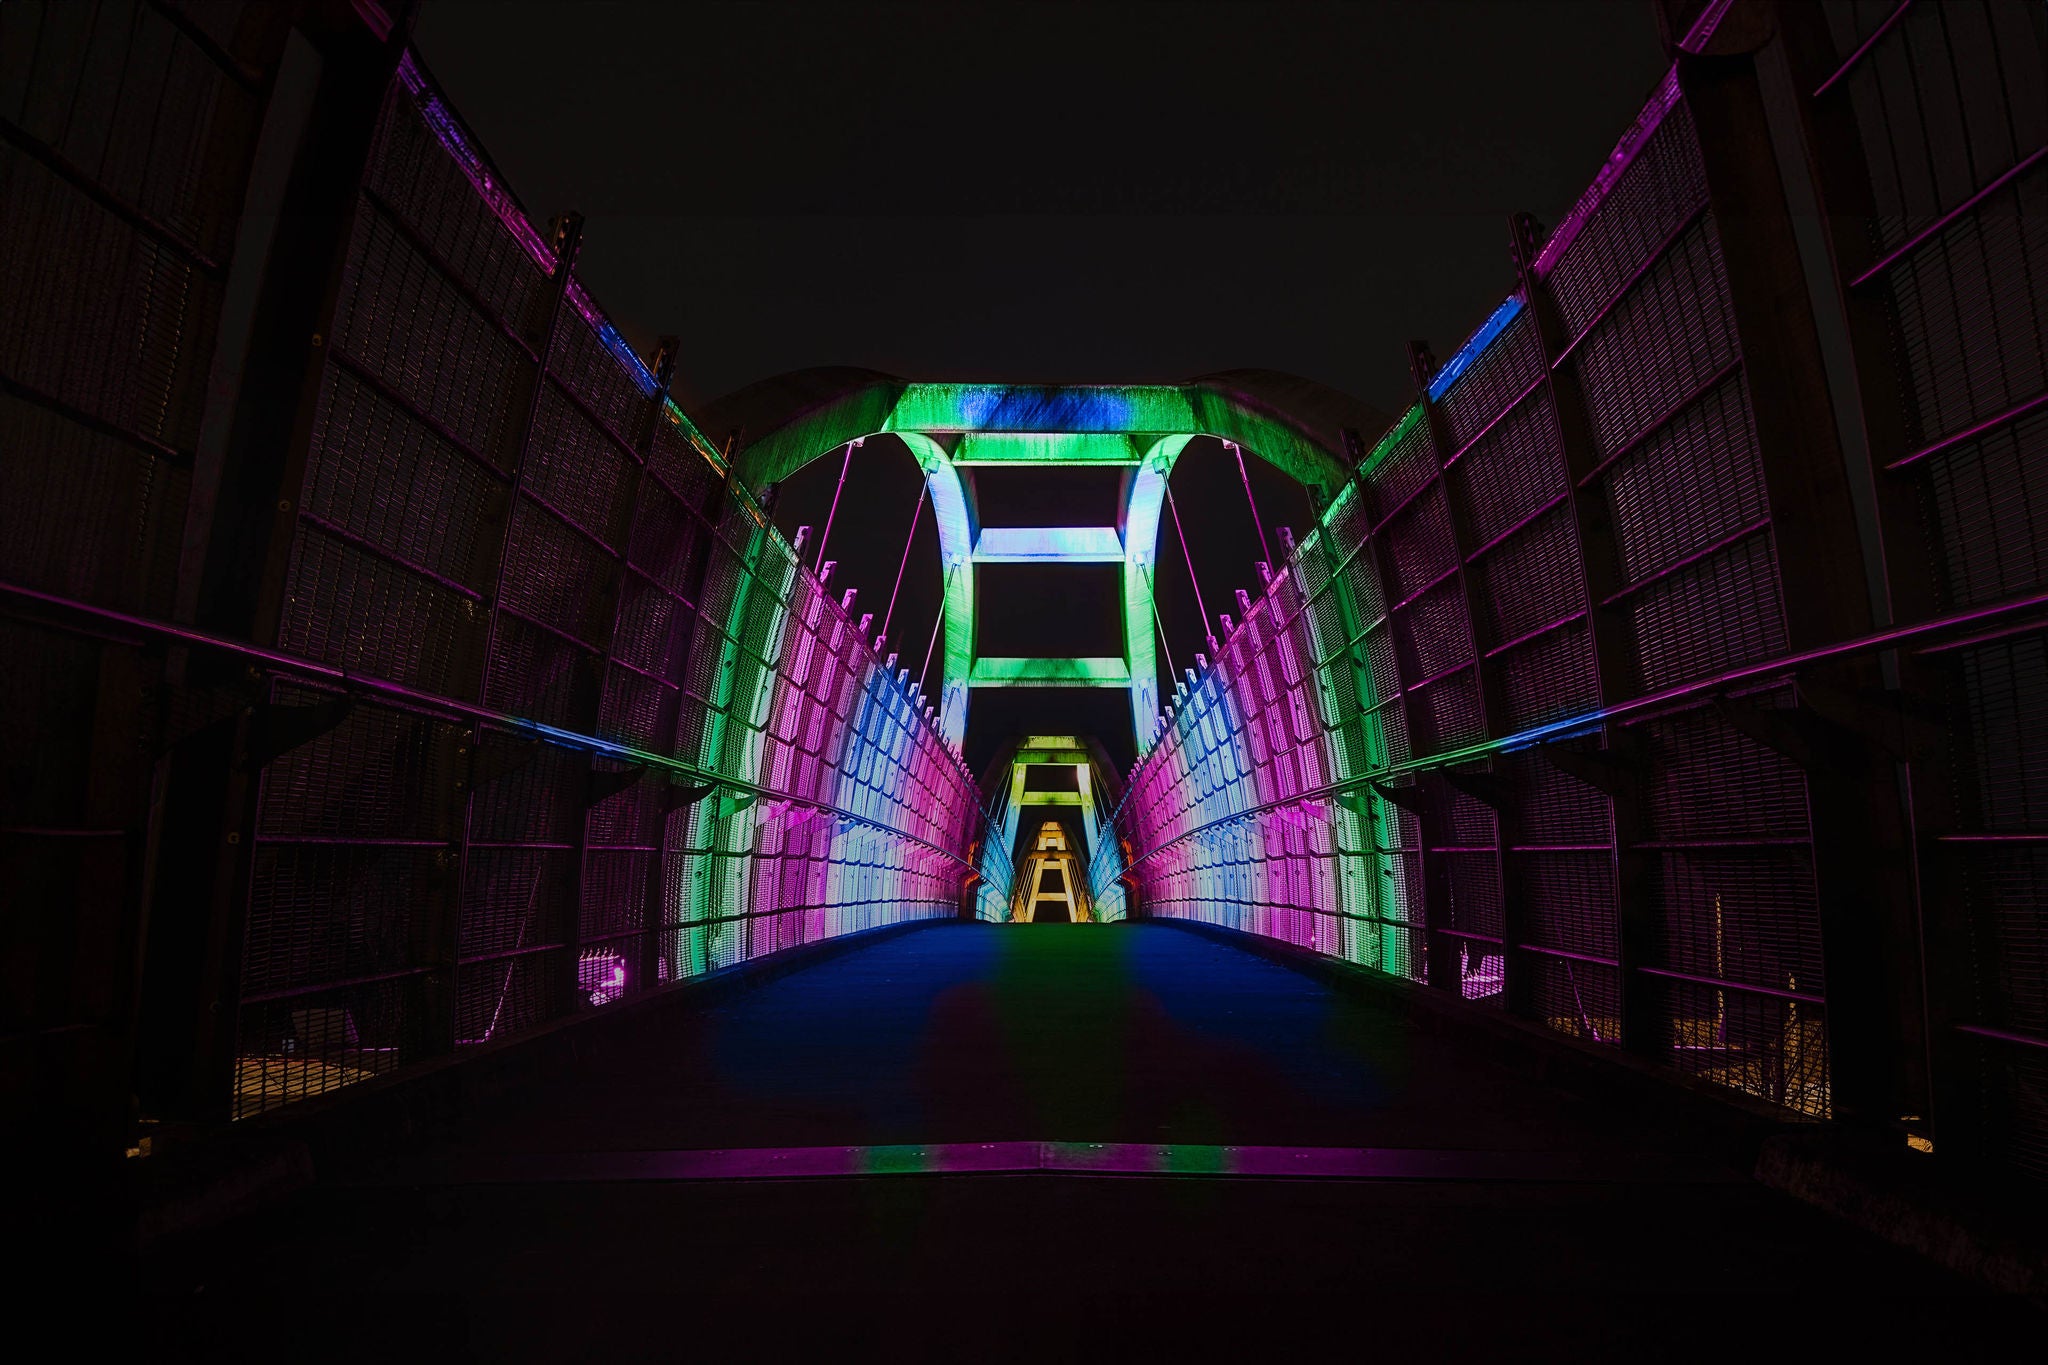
{"type": "Point", "coordinates": [780, 425]}
{"type": "Point", "coordinates": [1293, 424]}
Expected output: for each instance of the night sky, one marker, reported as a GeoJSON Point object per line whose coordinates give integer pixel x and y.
{"type": "Point", "coordinates": [1046, 192]}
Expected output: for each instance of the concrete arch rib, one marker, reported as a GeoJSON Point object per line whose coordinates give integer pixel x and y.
{"type": "Point", "coordinates": [1141, 568]}
{"type": "Point", "coordinates": [953, 514]}
{"type": "Point", "coordinates": [1294, 424]}
{"type": "Point", "coordinates": [784, 423]}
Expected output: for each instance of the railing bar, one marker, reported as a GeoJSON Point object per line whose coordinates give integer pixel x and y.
{"type": "Point", "coordinates": [1863, 48]}
{"type": "Point", "coordinates": [345, 983]}
{"type": "Point", "coordinates": [1761, 672]}
{"type": "Point", "coordinates": [61, 166]}
{"type": "Point", "coordinates": [148, 445]}
{"type": "Point", "coordinates": [1985, 637]}
{"type": "Point", "coordinates": [433, 704]}
{"type": "Point", "coordinates": [1971, 432]}
{"type": "Point", "coordinates": [1556, 501]}
{"type": "Point", "coordinates": [1412, 688]}
{"type": "Point", "coordinates": [524, 950]}
{"type": "Point", "coordinates": [351, 841]}
{"type": "Point", "coordinates": [1628, 285]}
{"type": "Point", "coordinates": [1442, 578]}
{"type": "Point", "coordinates": [1942, 224]}
{"type": "Point", "coordinates": [447, 271]}
{"type": "Point", "coordinates": [664, 589]}
{"type": "Point", "coordinates": [1760, 841]}
{"type": "Point", "coordinates": [644, 673]}
{"type": "Point", "coordinates": [1705, 552]}
{"type": "Point", "coordinates": [1296, 909]}
{"type": "Point", "coordinates": [1526, 636]}
{"type": "Point", "coordinates": [604, 547]}
{"type": "Point", "coordinates": [1663, 420]}
{"type": "Point", "coordinates": [521, 615]}
{"type": "Point", "coordinates": [1407, 500]}
{"type": "Point", "coordinates": [1803, 997]}
{"type": "Point", "coordinates": [593, 416]}
{"type": "Point", "coordinates": [1562, 952]}
{"type": "Point", "coordinates": [370, 547]}
{"type": "Point", "coordinates": [2002, 1035]}
{"type": "Point", "coordinates": [1476, 437]}
{"type": "Point", "coordinates": [378, 385]}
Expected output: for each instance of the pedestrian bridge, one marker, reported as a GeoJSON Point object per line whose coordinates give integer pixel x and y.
{"type": "Point", "coordinates": [1048, 1133]}
{"type": "Point", "coordinates": [450, 825]}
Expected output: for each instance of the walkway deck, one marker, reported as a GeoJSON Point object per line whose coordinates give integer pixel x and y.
{"type": "Point", "coordinates": [1523, 1217]}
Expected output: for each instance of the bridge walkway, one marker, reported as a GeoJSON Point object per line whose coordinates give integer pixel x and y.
{"type": "Point", "coordinates": [1470, 1207]}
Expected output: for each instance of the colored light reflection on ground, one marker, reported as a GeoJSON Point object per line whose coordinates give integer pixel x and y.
{"type": "Point", "coordinates": [1080, 1033]}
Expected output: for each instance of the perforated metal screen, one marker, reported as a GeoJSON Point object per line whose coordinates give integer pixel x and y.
{"type": "Point", "coordinates": [124, 141]}
{"type": "Point", "coordinates": [441, 683]}
{"type": "Point", "coordinates": [554, 543]}
{"type": "Point", "coordinates": [539, 712]}
{"type": "Point", "coordinates": [1937, 144]}
{"type": "Point", "coordinates": [1526, 718]}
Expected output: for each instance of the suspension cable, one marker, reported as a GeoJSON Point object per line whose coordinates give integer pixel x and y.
{"type": "Point", "coordinates": [923, 487]}
{"type": "Point", "coordinates": [1152, 582]}
{"type": "Point", "coordinates": [1208, 631]}
{"type": "Point", "coordinates": [1246, 479]}
{"type": "Point", "coordinates": [945, 591]}
{"type": "Point", "coordinates": [829, 516]}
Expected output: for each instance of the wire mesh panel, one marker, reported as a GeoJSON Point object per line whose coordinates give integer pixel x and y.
{"type": "Point", "coordinates": [635, 741]}
{"type": "Point", "coordinates": [125, 143]}
{"type": "Point", "coordinates": [1223, 822]}
{"type": "Point", "coordinates": [1939, 153]}
{"type": "Point", "coordinates": [539, 712]}
{"type": "Point", "coordinates": [1442, 612]}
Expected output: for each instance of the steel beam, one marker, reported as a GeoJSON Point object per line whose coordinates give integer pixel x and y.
{"type": "Point", "coordinates": [1048, 545]}
{"type": "Point", "coordinates": [1088, 672]}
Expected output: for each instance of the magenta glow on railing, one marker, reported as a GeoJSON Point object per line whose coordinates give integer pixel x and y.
{"type": "Point", "coordinates": [1625, 151]}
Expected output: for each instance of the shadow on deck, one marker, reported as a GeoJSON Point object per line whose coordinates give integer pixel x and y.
{"type": "Point", "coordinates": [1053, 1139]}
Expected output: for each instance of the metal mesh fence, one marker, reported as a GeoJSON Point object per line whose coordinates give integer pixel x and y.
{"type": "Point", "coordinates": [124, 139]}
{"type": "Point", "coordinates": [533, 711]}
{"type": "Point", "coordinates": [1564, 727]}
{"type": "Point", "coordinates": [501, 509]}
{"type": "Point", "coordinates": [1592, 475]}
{"type": "Point", "coordinates": [539, 712]}
{"type": "Point", "coordinates": [1935, 128]}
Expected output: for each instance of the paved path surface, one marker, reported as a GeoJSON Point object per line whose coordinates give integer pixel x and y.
{"type": "Point", "coordinates": [1131, 1033]}
{"type": "Point", "coordinates": [1525, 1218]}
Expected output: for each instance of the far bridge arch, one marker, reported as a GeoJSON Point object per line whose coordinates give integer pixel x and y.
{"type": "Point", "coordinates": [1298, 426]}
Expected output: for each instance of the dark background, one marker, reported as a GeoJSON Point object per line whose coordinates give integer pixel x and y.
{"type": "Point", "coordinates": [1046, 192]}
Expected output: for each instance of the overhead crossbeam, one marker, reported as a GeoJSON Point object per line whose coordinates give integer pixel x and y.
{"type": "Point", "coordinates": [1049, 545]}
{"type": "Point", "coordinates": [1052, 751]}
{"type": "Point", "coordinates": [1051, 757]}
{"type": "Point", "coordinates": [1043, 449]}
{"type": "Point", "coordinates": [1097, 672]}
{"type": "Point", "coordinates": [1297, 426]}
{"type": "Point", "coordinates": [801, 418]}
